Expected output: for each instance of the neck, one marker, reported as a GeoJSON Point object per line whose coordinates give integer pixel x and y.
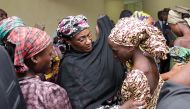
{"type": "Point", "coordinates": [148, 66]}
{"type": "Point", "coordinates": [26, 74]}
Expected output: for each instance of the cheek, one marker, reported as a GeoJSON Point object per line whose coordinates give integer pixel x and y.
{"type": "Point", "coordinates": [77, 45]}
{"type": "Point", "coordinates": [173, 28]}
{"type": "Point", "coordinates": [120, 54]}
{"type": "Point", "coordinates": [45, 61]}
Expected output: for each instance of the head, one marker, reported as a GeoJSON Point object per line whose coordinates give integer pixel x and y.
{"type": "Point", "coordinates": [40, 62]}
{"type": "Point", "coordinates": [33, 49]}
{"type": "Point", "coordinates": [41, 27]}
{"type": "Point", "coordinates": [121, 52]}
{"type": "Point", "coordinates": [160, 17]}
{"type": "Point", "coordinates": [143, 17]}
{"type": "Point", "coordinates": [125, 13]}
{"type": "Point", "coordinates": [131, 34]}
{"type": "Point", "coordinates": [7, 25]}
{"type": "Point", "coordinates": [75, 31]}
{"type": "Point", "coordinates": [82, 41]}
{"type": "Point", "coordinates": [3, 14]}
{"type": "Point", "coordinates": [165, 15]}
{"type": "Point", "coordinates": [176, 20]}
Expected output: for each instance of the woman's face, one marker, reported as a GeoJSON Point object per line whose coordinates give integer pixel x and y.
{"type": "Point", "coordinates": [121, 52]}
{"type": "Point", "coordinates": [82, 42]}
{"type": "Point", "coordinates": [43, 60]}
{"type": "Point", "coordinates": [2, 16]}
{"type": "Point", "coordinates": [175, 29]}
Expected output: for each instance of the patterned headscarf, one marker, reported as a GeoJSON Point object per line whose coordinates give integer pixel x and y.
{"type": "Point", "coordinates": [72, 25]}
{"type": "Point", "coordinates": [176, 16]}
{"type": "Point", "coordinates": [29, 42]}
{"type": "Point", "coordinates": [135, 33]}
{"type": "Point", "coordinates": [8, 24]}
{"type": "Point", "coordinates": [143, 17]}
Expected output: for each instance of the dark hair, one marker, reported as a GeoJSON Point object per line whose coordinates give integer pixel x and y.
{"type": "Point", "coordinates": [160, 13]}
{"type": "Point", "coordinates": [55, 40]}
{"type": "Point", "coordinates": [2, 12]}
{"type": "Point", "coordinates": [166, 10]}
{"type": "Point", "coordinates": [185, 15]}
{"type": "Point", "coordinates": [125, 13]}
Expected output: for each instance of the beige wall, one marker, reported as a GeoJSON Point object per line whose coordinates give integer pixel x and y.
{"type": "Point", "coordinates": [49, 12]}
{"type": "Point", "coordinates": [113, 8]}
{"type": "Point", "coordinates": [153, 6]}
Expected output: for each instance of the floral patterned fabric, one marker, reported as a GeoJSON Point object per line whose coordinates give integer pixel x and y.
{"type": "Point", "coordinates": [179, 55]}
{"type": "Point", "coordinates": [143, 17]}
{"type": "Point", "coordinates": [135, 33]}
{"type": "Point", "coordinates": [176, 16]}
{"type": "Point", "coordinates": [43, 95]}
{"type": "Point", "coordinates": [8, 24]}
{"type": "Point", "coordinates": [71, 25]}
{"type": "Point", "coordinates": [136, 86]}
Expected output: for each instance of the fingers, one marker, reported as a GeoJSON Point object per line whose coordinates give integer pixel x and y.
{"type": "Point", "coordinates": [139, 103]}
{"type": "Point", "coordinates": [134, 105]}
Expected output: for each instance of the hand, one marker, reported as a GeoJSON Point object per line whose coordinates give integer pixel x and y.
{"type": "Point", "coordinates": [175, 69]}
{"type": "Point", "coordinates": [134, 105]}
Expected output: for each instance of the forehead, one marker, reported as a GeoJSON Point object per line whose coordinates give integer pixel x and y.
{"type": "Point", "coordinates": [83, 32]}
{"type": "Point", "coordinates": [112, 44]}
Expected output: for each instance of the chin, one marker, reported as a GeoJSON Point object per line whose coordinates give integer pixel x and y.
{"type": "Point", "coordinates": [88, 50]}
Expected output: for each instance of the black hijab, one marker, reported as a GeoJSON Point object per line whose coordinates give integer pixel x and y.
{"type": "Point", "coordinates": [92, 78]}
{"type": "Point", "coordinates": [174, 96]}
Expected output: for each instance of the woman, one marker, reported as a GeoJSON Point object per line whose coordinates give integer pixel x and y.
{"type": "Point", "coordinates": [175, 93]}
{"type": "Point", "coordinates": [85, 73]}
{"type": "Point", "coordinates": [32, 56]}
{"type": "Point", "coordinates": [139, 43]}
{"type": "Point", "coordinates": [179, 21]}
{"type": "Point", "coordinates": [146, 18]}
{"type": "Point", "coordinates": [6, 26]}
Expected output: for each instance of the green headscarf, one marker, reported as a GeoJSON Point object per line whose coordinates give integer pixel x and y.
{"type": "Point", "coordinates": [7, 25]}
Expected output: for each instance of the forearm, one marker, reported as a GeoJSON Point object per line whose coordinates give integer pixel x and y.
{"type": "Point", "coordinates": [165, 76]}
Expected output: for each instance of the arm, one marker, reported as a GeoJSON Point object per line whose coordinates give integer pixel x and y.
{"type": "Point", "coordinates": [136, 84]}
{"type": "Point", "coordinates": [133, 105]}
{"type": "Point", "coordinates": [175, 70]}
{"type": "Point", "coordinates": [182, 75]}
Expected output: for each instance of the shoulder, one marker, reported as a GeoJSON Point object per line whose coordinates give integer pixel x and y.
{"type": "Point", "coordinates": [52, 88]}
{"type": "Point", "coordinates": [135, 75]}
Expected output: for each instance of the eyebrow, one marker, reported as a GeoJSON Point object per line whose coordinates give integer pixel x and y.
{"type": "Point", "coordinates": [86, 35]}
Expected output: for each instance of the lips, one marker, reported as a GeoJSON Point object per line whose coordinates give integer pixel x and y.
{"type": "Point", "coordinates": [89, 47]}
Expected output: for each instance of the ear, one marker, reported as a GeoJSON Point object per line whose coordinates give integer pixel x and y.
{"type": "Point", "coordinates": [131, 49]}
{"type": "Point", "coordinates": [35, 59]}
{"type": "Point", "coordinates": [68, 42]}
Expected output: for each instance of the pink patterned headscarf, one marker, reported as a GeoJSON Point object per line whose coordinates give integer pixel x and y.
{"type": "Point", "coordinates": [29, 42]}
{"type": "Point", "coordinates": [72, 25]}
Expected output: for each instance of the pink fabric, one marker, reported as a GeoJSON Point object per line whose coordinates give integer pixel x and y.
{"type": "Point", "coordinates": [43, 95]}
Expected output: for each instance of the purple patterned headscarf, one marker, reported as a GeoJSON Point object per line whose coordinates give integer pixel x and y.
{"type": "Point", "coordinates": [72, 25]}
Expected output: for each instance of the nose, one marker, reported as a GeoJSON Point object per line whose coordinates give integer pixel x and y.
{"type": "Point", "coordinates": [88, 41]}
